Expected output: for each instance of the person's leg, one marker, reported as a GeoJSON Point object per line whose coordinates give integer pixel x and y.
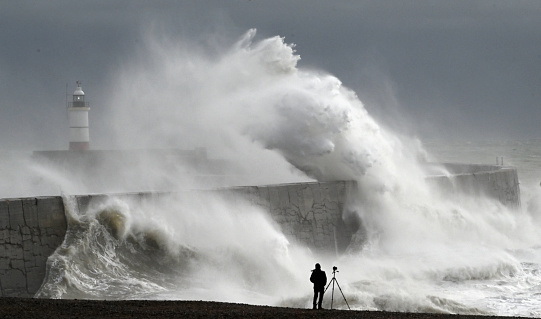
{"type": "Point", "coordinates": [315, 298]}
{"type": "Point", "coordinates": [321, 292]}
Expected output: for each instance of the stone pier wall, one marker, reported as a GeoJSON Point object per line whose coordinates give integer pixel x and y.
{"type": "Point", "coordinates": [30, 231]}
{"type": "Point", "coordinates": [32, 228]}
{"type": "Point", "coordinates": [498, 182]}
{"type": "Point", "coordinates": [310, 213]}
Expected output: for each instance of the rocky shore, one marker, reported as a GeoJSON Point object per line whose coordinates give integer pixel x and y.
{"type": "Point", "coordinates": [22, 308]}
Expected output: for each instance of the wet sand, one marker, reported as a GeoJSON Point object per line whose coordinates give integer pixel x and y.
{"type": "Point", "coordinates": [49, 308]}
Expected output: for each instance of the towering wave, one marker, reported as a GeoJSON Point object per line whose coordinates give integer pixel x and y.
{"type": "Point", "coordinates": [188, 246]}
{"type": "Point", "coordinates": [418, 249]}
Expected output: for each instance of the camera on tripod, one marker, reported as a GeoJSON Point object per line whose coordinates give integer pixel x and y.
{"type": "Point", "coordinates": [333, 281]}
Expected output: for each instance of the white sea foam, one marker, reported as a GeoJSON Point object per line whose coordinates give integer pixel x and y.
{"type": "Point", "coordinates": [422, 250]}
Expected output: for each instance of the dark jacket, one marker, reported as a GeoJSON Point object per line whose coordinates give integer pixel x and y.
{"type": "Point", "coordinates": [319, 278]}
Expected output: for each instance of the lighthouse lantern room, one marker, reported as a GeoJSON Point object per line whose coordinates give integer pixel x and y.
{"type": "Point", "coordinates": [78, 121]}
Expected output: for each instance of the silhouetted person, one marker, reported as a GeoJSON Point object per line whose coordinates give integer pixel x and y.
{"type": "Point", "coordinates": [319, 279]}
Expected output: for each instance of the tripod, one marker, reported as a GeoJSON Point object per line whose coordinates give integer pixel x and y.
{"type": "Point", "coordinates": [333, 280]}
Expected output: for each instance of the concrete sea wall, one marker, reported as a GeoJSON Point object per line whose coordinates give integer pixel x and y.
{"type": "Point", "coordinates": [311, 213]}
{"type": "Point", "coordinates": [30, 231]}
{"type": "Point", "coordinates": [498, 182]}
{"type": "Point", "coordinates": [32, 228]}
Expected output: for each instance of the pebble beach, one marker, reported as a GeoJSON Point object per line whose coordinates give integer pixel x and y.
{"type": "Point", "coordinates": [22, 308]}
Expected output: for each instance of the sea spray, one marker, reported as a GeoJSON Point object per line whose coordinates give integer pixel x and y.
{"type": "Point", "coordinates": [179, 246]}
{"type": "Point", "coordinates": [419, 249]}
{"type": "Point", "coordinates": [94, 259]}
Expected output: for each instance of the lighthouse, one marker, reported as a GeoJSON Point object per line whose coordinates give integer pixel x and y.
{"type": "Point", "coordinates": [78, 120]}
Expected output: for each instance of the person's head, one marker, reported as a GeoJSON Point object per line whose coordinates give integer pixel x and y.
{"type": "Point", "coordinates": [318, 266]}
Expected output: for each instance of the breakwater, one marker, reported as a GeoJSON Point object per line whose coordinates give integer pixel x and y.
{"type": "Point", "coordinates": [498, 182]}
{"type": "Point", "coordinates": [32, 228]}
{"type": "Point", "coordinates": [310, 213]}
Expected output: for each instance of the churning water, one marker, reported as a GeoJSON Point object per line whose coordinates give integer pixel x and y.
{"type": "Point", "coordinates": [424, 250]}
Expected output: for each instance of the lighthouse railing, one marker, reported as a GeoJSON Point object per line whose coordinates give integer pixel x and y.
{"type": "Point", "coordinates": [78, 104]}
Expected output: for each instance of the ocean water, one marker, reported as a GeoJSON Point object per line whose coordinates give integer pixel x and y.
{"type": "Point", "coordinates": [422, 250]}
{"type": "Point", "coordinates": [224, 250]}
{"type": "Point", "coordinates": [517, 293]}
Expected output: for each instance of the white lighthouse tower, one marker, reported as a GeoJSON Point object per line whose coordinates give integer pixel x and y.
{"type": "Point", "coordinates": [78, 120]}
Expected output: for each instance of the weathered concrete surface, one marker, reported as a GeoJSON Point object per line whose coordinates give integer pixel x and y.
{"type": "Point", "coordinates": [310, 213]}
{"type": "Point", "coordinates": [499, 182]}
{"type": "Point", "coordinates": [32, 228]}
{"type": "Point", "coordinates": [30, 231]}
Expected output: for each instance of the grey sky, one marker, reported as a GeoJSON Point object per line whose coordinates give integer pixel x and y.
{"type": "Point", "coordinates": [448, 69]}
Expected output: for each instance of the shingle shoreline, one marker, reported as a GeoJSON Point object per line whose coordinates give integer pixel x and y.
{"type": "Point", "coordinates": [52, 308]}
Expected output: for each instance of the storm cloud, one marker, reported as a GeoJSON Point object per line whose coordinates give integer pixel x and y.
{"type": "Point", "coordinates": [465, 70]}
